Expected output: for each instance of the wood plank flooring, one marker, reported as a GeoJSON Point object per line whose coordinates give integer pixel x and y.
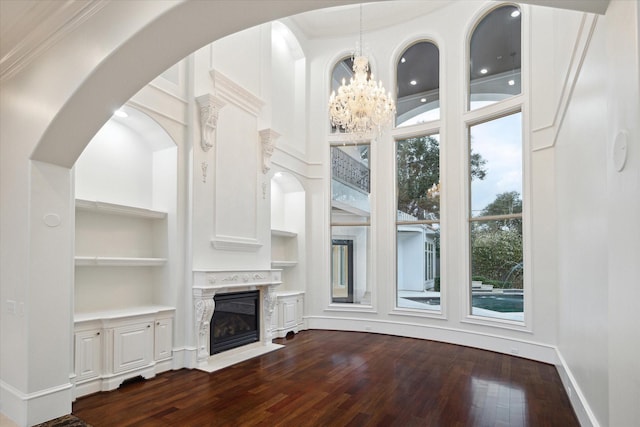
{"type": "Point", "coordinates": [329, 378]}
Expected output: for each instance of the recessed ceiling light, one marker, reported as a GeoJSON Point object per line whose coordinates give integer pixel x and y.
{"type": "Point", "coordinates": [423, 100]}
{"type": "Point", "coordinates": [403, 60]}
{"type": "Point", "coordinates": [278, 174]}
{"type": "Point", "coordinates": [484, 71]}
{"type": "Point", "coordinates": [515, 13]}
{"type": "Point", "coordinates": [120, 113]}
{"type": "Point", "coordinates": [511, 82]}
{"type": "Point", "coordinates": [413, 82]}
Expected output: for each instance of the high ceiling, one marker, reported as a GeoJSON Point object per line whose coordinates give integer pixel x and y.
{"type": "Point", "coordinates": [29, 27]}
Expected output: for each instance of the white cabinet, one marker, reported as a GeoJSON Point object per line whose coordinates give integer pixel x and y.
{"type": "Point", "coordinates": [113, 346]}
{"type": "Point", "coordinates": [163, 339]}
{"type": "Point", "coordinates": [132, 346]}
{"type": "Point", "coordinates": [288, 313]}
{"type": "Point", "coordinates": [88, 354]}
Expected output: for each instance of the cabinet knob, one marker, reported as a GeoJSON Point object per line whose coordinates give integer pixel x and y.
{"type": "Point", "coordinates": [158, 323]}
{"type": "Point", "coordinates": [97, 333]}
{"type": "Point", "coordinates": [148, 326]}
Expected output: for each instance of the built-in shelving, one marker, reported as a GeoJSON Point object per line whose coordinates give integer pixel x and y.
{"type": "Point", "coordinates": [283, 249]}
{"type": "Point", "coordinates": [115, 209]}
{"type": "Point", "coordinates": [283, 233]}
{"type": "Point", "coordinates": [100, 261]}
{"type": "Point", "coordinates": [283, 264]}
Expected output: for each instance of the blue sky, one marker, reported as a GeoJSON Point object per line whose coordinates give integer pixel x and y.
{"type": "Point", "coordinates": [499, 142]}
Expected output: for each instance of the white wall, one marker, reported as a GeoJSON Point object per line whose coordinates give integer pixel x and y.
{"type": "Point", "coordinates": [582, 232]}
{"type": "Point", "coordinates": [598, 231]}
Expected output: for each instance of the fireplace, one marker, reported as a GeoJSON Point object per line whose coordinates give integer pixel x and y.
{"type": "Point", "coordinates": [219, 344]}
{"type": "Point", "coordinates": [235, 321]}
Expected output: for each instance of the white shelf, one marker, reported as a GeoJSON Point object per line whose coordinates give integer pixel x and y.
{"type": "Point", "coordinates": [101, 261]}
{"type": "Point", "coordinates": [121, 313]}
{"type": "Point", "coordinates": [115, 209]}
{"type": "Point", "coordinates": [283, 233]}
{"type": "Point", "coordinates": [283, 264]}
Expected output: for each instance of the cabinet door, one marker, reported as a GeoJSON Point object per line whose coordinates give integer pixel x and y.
{"type": "Point", "coordinates": [163, 339]}
{"type": "Point", "coordinates": [88, 352]}
{"type": "Point", "coordinates": [300, 309]}
{"type": "Point", "coordinates": [132, 346]}
{"type": "Point", "coordinates": [289, 309]}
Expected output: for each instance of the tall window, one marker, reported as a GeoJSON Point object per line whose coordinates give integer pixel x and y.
{"type": "Point", "coordinates": [496, 219]}
{"type": "Point", "coordinates": [494, 72]}
{"type": "Point", "coordinates": [418, 82]}
{"type": "Point", "coordinates": [418, 222]}
{"type": "Point", "coordinates": [350, 224]}
{"type": "Point", "coordinates": [495, 170]}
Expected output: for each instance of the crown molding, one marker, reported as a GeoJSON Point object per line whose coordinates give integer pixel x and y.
{"type": "Point", "coordinates": [39, 28]}
{"type": "Point", "coordinates": [229, 91]}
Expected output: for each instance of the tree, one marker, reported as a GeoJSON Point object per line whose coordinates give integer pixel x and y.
{"type": "Point", "coordinates": [418, 169]}
{"type": "Point", "coordinates": [497, 256]}
{"type": "Point", "coordinates": [506, 203]}
{"type": "Point", "coordinates": [496, 245]}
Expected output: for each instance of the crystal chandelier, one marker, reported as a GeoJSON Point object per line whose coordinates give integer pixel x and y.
{"type": "Point", "coordinates": [362, 106]}
{"type": "Point", "coordinates": [434, 191]}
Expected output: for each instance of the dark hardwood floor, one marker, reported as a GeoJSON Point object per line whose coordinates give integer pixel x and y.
{"type": "Point", "coordinates": [328, 378]}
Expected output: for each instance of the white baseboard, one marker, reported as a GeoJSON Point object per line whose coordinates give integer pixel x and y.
{"type": "Point", "coordinates": [185, 357]}
{"type": "Point", "coordinates": [26, 409]}
{"type": "Point", "coordinates": [492, 342]}
{"type": "Point", "coordinates": [580, 405]}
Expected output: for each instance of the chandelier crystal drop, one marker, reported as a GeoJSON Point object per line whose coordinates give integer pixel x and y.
{"type": "Point", "coordinates": [361, 107]}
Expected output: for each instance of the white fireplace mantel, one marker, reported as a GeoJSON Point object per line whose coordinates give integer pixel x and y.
{"type": "Point", "coordinates": [207, 284]}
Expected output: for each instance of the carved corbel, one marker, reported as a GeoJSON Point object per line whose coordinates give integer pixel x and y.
{"type": "Point", "coordinates": [269, 300]}
{"type": "Point", "coordinates": [210, 106]}
{"type": "Point", "coordinates": [204, 311]}
{"type": "Point", "coordinates": [268, 138]}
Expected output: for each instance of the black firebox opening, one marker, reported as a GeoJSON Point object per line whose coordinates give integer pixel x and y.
{"type": "Point", "coordinates": [235, 321]}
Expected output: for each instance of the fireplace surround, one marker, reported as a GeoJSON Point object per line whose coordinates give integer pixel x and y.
{"type": "Point", "coordinates": [208, 284]}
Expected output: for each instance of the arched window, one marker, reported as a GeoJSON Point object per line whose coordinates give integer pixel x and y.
{"type": "Point", "coordinates": [496, 169]}
{"type": "Point", "coordinates": [495, 57]}
{"type": "Point", "coordinates": [418, 83]}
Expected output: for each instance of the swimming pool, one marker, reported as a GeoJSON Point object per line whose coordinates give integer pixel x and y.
{"type": "Point", "coordinates": [502, 303]}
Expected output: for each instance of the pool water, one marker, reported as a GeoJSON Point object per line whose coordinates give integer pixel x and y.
{"type": "Point", "coordinates": [501, 303]}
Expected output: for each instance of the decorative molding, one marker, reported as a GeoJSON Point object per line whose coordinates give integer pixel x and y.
{"type": "Point", "coordinates": [228, 243]}
{"type": "Point", "coordinates": [204, 166]}
{"type": "Point", "coordinates": [210, 106]}
{"type": "Point", "coordinates": [269, 301]}
{"type": "Point", "coordinates": [42, 26]}
{"type": "Point", "coordinates": [229, 91]}
{"type": "Point", "coordinates": [546, 136]}
{"type": "Point", "coordinates": [268, 139]}
{"type": "Point", "coordinates": [203, 311]}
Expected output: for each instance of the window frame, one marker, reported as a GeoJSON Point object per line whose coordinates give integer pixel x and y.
{"type": "Point", "coordinates": [341, 140]}
{"type": "Point", "coordinates": [508, 106]}
{"type": "Point", "coordinates": [400, 134]}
